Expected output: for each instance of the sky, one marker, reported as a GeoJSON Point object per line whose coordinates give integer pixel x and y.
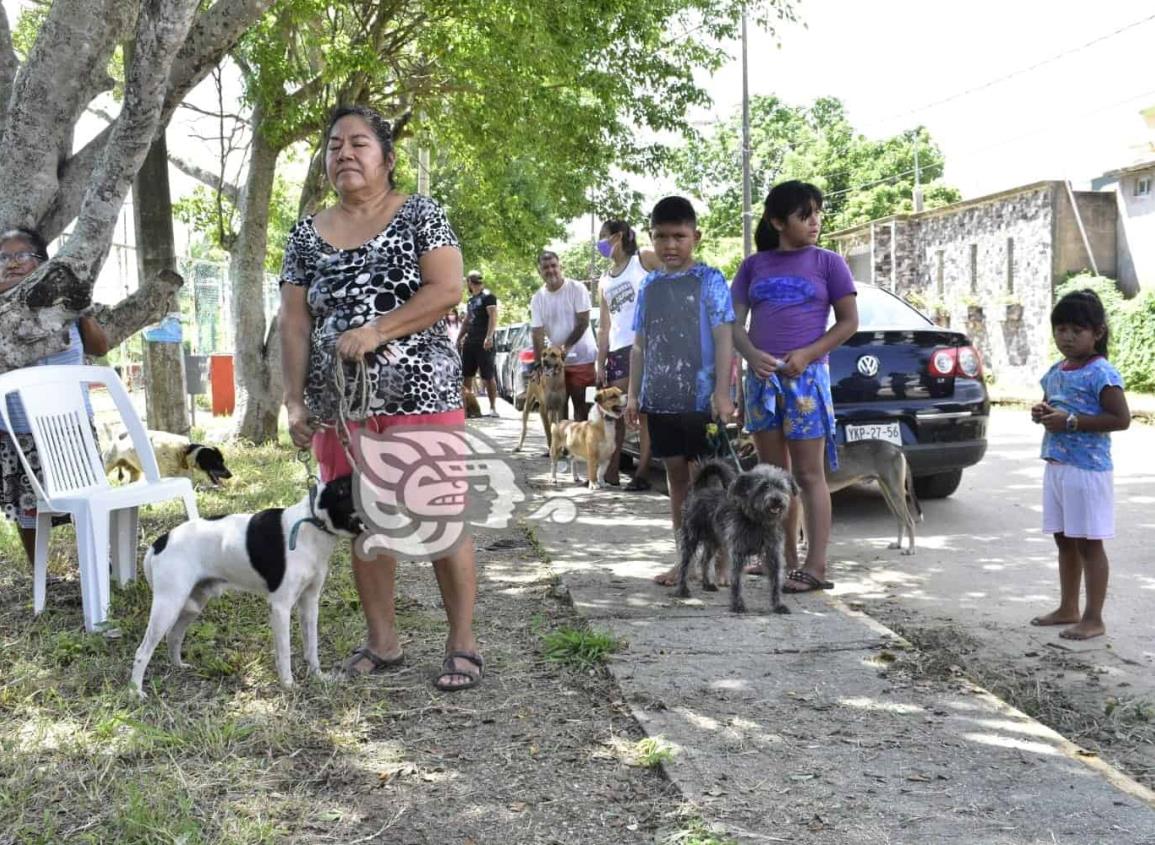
{"type": "Point", "coordinates": [1013, 91]}
{"type": "Point", "coordinates": [893, 63]}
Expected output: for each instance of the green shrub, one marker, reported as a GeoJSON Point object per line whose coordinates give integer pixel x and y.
{"type": "Point", "coordinates": [1132, 323]}
{"type": "Point", "coordinates": [579, 648]}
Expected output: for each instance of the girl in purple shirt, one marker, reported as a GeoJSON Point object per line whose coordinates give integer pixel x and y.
{"type": "Point", "coordinates": [786, 290]}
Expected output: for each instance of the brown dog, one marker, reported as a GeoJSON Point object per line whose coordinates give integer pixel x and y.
{"type": "Point", "coordinates": [545, 391]}
{"type": "Point", "coordinates": [591, 441]}
{"type": "Point", "coordinates": [472, 409]}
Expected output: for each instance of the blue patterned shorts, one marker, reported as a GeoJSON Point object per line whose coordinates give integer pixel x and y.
{"type": "Point", "coordinates": [800, 406]}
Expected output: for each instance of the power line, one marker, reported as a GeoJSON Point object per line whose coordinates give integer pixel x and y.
{"type": "Point", "coordinates": [999, 143]}
{"type": "Point", "coordinates": [1020, 72]}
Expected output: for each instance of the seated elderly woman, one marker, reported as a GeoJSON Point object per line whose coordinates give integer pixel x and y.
{"type": "Point", "coordinates": [370, 280]}
{"type": "Point", "coordinates": [21, 252]}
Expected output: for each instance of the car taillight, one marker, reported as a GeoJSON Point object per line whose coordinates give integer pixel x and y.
{"type": "Point", "coordinates": [970, 363]}
{"type": "Point", "coordinates": [949, 361]}
{"type": "Point", "coordinates": [525, 356]}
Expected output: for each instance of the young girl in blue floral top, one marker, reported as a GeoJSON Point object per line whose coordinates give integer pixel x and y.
{"type": "Point", "coordinates": [1083, 400]}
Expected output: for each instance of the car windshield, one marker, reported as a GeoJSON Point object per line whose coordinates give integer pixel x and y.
{"type": "Point", "coordinates": [879, 309]}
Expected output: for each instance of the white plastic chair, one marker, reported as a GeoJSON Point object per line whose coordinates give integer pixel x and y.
{"type": "Point", "coordinates": [74, 481]}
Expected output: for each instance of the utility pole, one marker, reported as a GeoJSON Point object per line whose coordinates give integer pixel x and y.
{"type": "Point", "coordinates": [917, 177]}
{"type": "Point", "coordinates": [423, 164]}
{"type": "Point", "coordinates": [746, 211]}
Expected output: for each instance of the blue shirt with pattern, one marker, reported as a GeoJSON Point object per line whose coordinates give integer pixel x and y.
{"type": "Point", "coordinates": [1077, 392]}
{"type": "Point", "coordinates": [676, 313]}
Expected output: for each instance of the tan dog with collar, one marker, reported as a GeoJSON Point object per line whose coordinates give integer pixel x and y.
{"type": "Point", "coordinates": [176, 456]}
{"type": "Point", "coordinates": [545, 391]}
{"type": "Point", "coordinates": [591, 441]}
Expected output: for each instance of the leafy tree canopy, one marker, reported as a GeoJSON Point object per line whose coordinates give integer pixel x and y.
{"type": "Point", "coordinates": [525, 106]}
{"type": "Point", "coordinates": [862, 178]}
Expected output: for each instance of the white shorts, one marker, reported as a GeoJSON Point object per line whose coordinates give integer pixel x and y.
{"type": "Point", "coordinates": [1078, 502]}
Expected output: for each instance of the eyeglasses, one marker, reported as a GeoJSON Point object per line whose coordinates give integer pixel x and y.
{"type": "Point", "coordinates": [7, 258]}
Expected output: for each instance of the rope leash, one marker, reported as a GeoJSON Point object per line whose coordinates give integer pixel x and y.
{"type": "Point", "coordinates": [304, 456]}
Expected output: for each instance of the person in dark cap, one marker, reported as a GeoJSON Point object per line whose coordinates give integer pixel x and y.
{"type": "Point", "coordinates": [476, 338]}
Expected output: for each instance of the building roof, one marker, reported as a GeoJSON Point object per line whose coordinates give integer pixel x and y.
{"type": "Point", "coordinates": [1132, 168]}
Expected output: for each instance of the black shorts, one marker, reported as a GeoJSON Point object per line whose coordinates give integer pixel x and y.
{"type": "Point", "coordinates": [678, 435]}
{"type": "Point", "coordinates": [476, 357]}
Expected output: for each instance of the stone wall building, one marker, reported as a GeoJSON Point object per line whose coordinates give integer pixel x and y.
{"type": "Point", "coordinates": [989, 265]}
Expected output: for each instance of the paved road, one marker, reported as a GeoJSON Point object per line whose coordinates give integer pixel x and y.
{"type": "Point", "coordinates": [820, 727]}
{"type": "Point", "coordinates": [983, 563]}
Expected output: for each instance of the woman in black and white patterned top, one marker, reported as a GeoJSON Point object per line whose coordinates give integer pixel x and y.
{"type": "Point", "coordinates": [370, 279]}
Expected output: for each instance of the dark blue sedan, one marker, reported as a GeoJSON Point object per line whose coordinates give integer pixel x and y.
{"type": "Point", "coordinates": [904, 379]}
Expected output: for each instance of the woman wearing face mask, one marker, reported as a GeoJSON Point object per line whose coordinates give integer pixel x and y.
{"type": "Point", "coordinates": [618, 293]}
{"type": "Point", "coordinates": [21, 252]}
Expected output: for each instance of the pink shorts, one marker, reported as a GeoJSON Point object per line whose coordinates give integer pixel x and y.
{"type": "Point", "coordinates": [330, 454]}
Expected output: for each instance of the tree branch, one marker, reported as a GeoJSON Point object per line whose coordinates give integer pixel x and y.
{"type": "Point", "coordinates": [206, 177]}
{"type": "Point", "coordinates": [73, 47]}
{"type": "Point", "coordinates": [8, 61]}
{"type": "Point", "coordinates": [145, 306]}
{"type": "Point", "coordinates": [162, 27]}
{"type": "Point", "coordinates": [212, 35]}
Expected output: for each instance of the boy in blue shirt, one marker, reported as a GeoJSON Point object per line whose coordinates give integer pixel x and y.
{"type": "Point", "coordinates": [682, 351]}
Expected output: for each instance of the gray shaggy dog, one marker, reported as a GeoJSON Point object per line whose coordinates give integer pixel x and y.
{"type": "Point", "coordinates": [740, 516]}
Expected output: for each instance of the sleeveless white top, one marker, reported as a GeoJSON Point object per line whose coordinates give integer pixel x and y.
{"type": "Point", "coordinates": [620, 294]}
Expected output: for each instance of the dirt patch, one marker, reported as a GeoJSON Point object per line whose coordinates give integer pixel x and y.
{"type": "Point", "coordinates": [1058, 688]}
{"type": "Point", "coordinates": [533, 755]}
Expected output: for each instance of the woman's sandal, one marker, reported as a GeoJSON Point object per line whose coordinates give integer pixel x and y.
{"type": "Point", "coordinates": [637, 484]}
{"type": "Point", "coordinates": [380, 664]}
{"type": "Point", "coordinates": [804, 577]}
{"type": "Point", "coordinates": [448, 670]}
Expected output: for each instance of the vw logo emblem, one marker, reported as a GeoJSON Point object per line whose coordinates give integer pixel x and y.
{"type": "Point", "coordinates": [868, 366]}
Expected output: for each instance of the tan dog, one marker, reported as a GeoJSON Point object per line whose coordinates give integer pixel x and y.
{"type": "Point", "coordinates": [545, 391]}
{"type": "Point", "coordinates": [885, 463]}
{"type": "Point", "coordinates": [175, 456]}
{"type": "Point", "coordinates": [472, 409]}
{"type": "Point", "coordinates": [591, 441]}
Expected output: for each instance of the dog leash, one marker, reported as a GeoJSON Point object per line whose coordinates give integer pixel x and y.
{"type": "Point", "coordinates": [311, 478]}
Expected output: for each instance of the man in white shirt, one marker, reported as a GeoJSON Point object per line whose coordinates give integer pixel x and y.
{"type": "Point", "coordinates": [560, 316]}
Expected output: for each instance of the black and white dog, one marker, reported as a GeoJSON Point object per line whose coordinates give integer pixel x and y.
{"type": "Point", "coordinates": [282, 553]}
{"type": "Point", "coordinates": [741, 516]}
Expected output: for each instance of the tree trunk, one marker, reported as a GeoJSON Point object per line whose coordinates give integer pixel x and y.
{"type": "Point", "coordinates": [257, 370]}
{"type": "Point", "coordinates": [164, 377]}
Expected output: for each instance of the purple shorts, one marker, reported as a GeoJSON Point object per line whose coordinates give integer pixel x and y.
{"type": "Point", "coordinates": [618, 365]}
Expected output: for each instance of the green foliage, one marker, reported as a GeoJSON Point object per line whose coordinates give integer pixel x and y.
{"type": "Point", "coordinates": [862, 178]}
{"type": "Point", "coordinates": [213, 217]}
{"type": "Point", "coordinates": [696, 832]}
{"type": "Point", "coordinates": [28, 24]}
{"type": "Point", "coordinates": [525, 107]}
{"type": "Point", "coordinates": [651, 752]}
{"type": "Point", "coordinates": [1132, 323]}
{"type": "Point", "coordinates": [579, 648]}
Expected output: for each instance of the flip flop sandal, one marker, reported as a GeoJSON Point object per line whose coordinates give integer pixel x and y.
{"type": "Point", "coordinates": [804, 577]}
{"type": "Point", "coordinates": [448, 671]}
{"type": "Point", "coordinates": [637, 484]}
{"type": "Point", "coordinates": [380, 664]}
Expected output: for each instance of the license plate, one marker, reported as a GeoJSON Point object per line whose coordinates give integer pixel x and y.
{"type": "Point", "coordinates": [874, 431]}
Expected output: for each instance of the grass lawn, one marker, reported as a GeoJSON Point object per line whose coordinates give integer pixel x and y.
{"type": "Point", "coordinates": [219, 752]}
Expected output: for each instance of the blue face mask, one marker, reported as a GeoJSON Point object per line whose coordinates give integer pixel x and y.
{"type": "Point", "coordinates": [605, 248]}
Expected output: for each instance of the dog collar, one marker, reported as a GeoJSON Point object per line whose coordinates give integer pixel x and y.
{"type": "Point", "coordinates": [311, 519]}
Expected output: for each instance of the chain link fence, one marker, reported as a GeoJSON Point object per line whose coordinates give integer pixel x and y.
{"type": "Point", "coordinates": [205, 302]}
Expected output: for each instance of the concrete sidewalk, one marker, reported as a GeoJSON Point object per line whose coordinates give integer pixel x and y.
{"type": "Point", "coordinates": [821, 726]}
